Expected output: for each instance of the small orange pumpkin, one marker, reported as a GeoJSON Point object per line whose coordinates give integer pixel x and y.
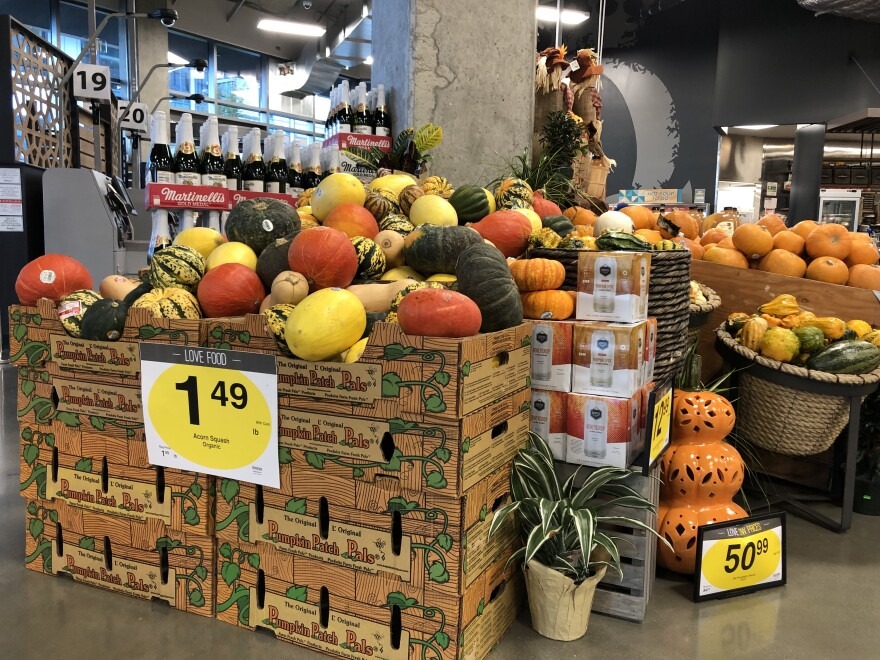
{"type": "Point", "coordinates": [537, 274]}
{"type": "Point", "coordinates": [752, 240]}
{"type": "Point", "coordinates": [547, 305]}
{"type": "Point", "coordinates": [863, 276]}
{"type": "Point", "coordinates": [580, 216]}
{"type": "Point", "coordinates": [829, 240]}
{"type": "Point", "coordinates": [772, 223]}
{"type": "Point", "coordinates": [827, 269]}
{"type": "Point", "coordinates": [783, 262]}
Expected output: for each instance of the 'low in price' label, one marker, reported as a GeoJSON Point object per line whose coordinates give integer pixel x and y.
{"type": "Point", "coordinates": [212, 411]}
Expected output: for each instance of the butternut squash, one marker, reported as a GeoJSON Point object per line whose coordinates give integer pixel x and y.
{"type": "Point", "coordinates": [377, 297]}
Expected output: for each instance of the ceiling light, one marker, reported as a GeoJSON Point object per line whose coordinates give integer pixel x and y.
{"type": "Point", "coordinates": [569, 16]}
{"type": "Point", "coordinates": [291, 27]}
{"type": "Point", "coordinates": [174, 58]}
{"type": "Point", "coordinates": [756, 127]}
{"type": "Point", "coordinates": [369, 60]}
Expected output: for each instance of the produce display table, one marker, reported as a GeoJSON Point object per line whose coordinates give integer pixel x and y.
{"type": "Point", "coordinates": [845, 450]}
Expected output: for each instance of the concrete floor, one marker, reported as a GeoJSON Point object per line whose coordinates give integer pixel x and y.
{"type": "Point", "coordinates": [830, 607]}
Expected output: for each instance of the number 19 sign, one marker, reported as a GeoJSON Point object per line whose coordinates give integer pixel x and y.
{"type": "Point", "coordinates": [210, 410]}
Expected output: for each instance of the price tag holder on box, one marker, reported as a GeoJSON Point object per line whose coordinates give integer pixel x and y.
{"type": "Point", "coordinates": [91, 81]}
{"type": "Point", "coordinates": [740, 556]}
{"type": "Point", "coordinates": [211, 410]}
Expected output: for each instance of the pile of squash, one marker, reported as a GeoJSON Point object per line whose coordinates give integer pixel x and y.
{"type": "Point", "coordinates": [784, 332]}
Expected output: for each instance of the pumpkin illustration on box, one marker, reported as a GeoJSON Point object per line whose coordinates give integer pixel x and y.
{"type": "Point", "coordinates": [700, 472]}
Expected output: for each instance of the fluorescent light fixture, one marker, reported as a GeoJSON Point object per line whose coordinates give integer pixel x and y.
{"type": "Point", "coordinates": [291, 27]}
{"type": "Point", "coordinates": [756, 127]}
{"type": "Point", "coordinates": [569, 16]}
{"type": "Point", "coordinates": [369, 61]}
{"type": "Point", "coordinates": [174, 58]}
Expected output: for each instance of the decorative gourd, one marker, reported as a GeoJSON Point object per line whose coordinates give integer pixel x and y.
{"type": "Point", "coordinates": [72, 308]}
{"type": "Point", "coordinates": [507, 230]}
{"type": "Point", "coordinates": [354, 353]}
{"type": "Point", "coordinates": [273, 260]}
{"type": "Point", "coordinates": [833, 328]}
{"type": "Point", "coordinates": [391, 243]}
{"type": "Point", "coordinates": [352, 220]}
{"type": "Point", "coordinates": [772, 321]}
{"type": "Point", "coordinates": [613, 221]}
{"type": "Point", "coordinates": [117, 286]}
{"type": "Point", "coordinates": [407, 196]}
{"type": "Point", "coordinates": [811, 339]}
{"type": "Point", "coordinates": [848, 335]}
{"type": "Point", "coordinates": [512, 192]}
{"type": "Point", "coordinates": [544, 207]}
{"type": "Point", "coordinates": [50, 276]}
{"type": "Point", "coordinates": [176, 265]}
{"type": "Point", "coordinates": [431, 249]}
{"type": "Point", "coordinates": [558, 223]}
{"type": "Point", "coordinates": [379, 205]}
{"type": "Point", "coordinates": [547, 305]}
{"type": "Point", "coordinates": [276, 320]}
{"type": "Point", "coordinates": [258, 222]}
{"type": "Point", "coordinates": [484, 277]}
{"type": "Point", "coordinates": [780, 344]}
{"type": "Point", "coordinates": [666, 244]}
{"type": "Point", "coordinates": [471, 203]}
{"type": "Point", "coordinates": [325, 256]}
{"type": "Point", "coordinates": [752, 333]}
{"type": "Point", "coordinates": [575, 243]}
{"type": "Point", "coordinates": [861, 328]}
{"type": "Point", "coordinates": [305, 198]}
{"type": "Point", "coordinates": [371, 259]}
{"type": "Point", "coordinates": [437, 185]}
{"type": "Point", "coordinates": [170, 303]}
{"type": "Point", "coordinates": [872, 337]}
{"type": "Point", "coordinates": [396, 222]}
{"type": "Point", "coordinates": [736, 321]}
{"type": "Point", "coordinates": [325, 324]}
{"type": "Point", "coordinates": [545, 238]}
{"type": "Point", "coordinates": [439, 313]}
{"type": "Point", "coordinates": [780, 306]}
{"type": "Point", "coordinates": [846, 357]}
{"type": "Point", "coordinates": [289, 288]}
{"type": "Point", "coordinates": [230, 290]}
{"type": "Point", "coordinates": [537, 274]}
{"type": "Point", "coordinates": [617, 241]}
{"type": "Point", "coordinates": [378, 296]}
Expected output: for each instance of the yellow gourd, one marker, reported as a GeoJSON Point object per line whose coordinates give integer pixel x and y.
{"type": "Point", "coordinates": [752, 333]}
{"type": "Point", "coordinates": [781, 306]}
{"type": "Point", "coordinates": [861, 328]}
{"type": "Point", "coordinates": [833, 328]}
{"type": "Point", "coordinates": [872, 337]}
{"type": "Point", "coordinates": [780, 344]}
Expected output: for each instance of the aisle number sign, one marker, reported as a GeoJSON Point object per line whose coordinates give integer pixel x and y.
{"type": "Point", "coordinates": [91, 81]}
{"type": "Point", "coordinates": [137, 117]}
{"type": "Point", "coordinates": [212, 411]}
{"type": "Point", "coordinates": [740, 556]}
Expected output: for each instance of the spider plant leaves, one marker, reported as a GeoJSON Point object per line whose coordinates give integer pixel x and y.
{"type": "Point", "coordinates": [501, 515]}
{"type": "Point", "coordinates": [585, 526]}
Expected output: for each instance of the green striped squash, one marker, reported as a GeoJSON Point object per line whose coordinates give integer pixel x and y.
{"type": "Point", "coordinates": [276, 320]}
{"type": "Point", "coordinates": [513, 194]}
{"type": "Point", "coordinates": [170, 303]}
{"type": "Point", "coordinates": [73, 306]}
{"type": "Point", "coordinates": [371, 259]}
{"type": "Point", "coordinates": [470, 204]}
{"type": "Point", "coordinates": [176, 266]}
{"type": "Point", "coordinates": [396, 222]}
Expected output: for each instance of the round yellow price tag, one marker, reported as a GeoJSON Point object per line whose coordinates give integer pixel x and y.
{"type": "Point", "coordinates": [216, 418]}
{"type": "Point", "coordinates": [738, 563]}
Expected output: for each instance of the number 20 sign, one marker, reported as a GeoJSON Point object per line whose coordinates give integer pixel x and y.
{"type": "Point", "coordinates": [740, 556]}
{"type": "Point", "coordinates": [211, 410]}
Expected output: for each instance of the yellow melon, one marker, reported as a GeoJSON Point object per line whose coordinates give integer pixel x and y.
{"type": "Point", "coordinates": [233, 252]}
{"type": "Point", "coordinates": [201, 239]}
{"type": "Point", "coordinates": [325, 324]}
{"type": "Point", "coordinates": [338, 188]}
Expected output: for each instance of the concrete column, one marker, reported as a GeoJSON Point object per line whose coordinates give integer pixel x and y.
{"type": "Point", "coordinates": [152, 49]}
{"type": "Point", "coordinates": [466, 66]}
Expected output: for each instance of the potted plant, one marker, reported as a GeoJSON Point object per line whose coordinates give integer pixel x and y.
{"type": "Point", "coordinates": [867, 496]}
{"type": "Point", "coordinates": [565, 553]}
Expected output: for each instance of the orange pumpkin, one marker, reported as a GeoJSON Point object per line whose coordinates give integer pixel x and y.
{"type": "Point", "coordinates": [860, 236]}
{"type": "Point", "coordinates": [752, 240]}
{"type": "Point", "coordinates": [727, 243]}
{"type": "Point", "coordinates": [537, 274]}
{"type": "Point", "coordinates": [772, 223]}
{"type": "Point", "coordinates": [650, 235]}
{"type": "Point", "coordinates": [862, 252]}
{"type": "Point", "coordinates": [580, 216]}
{"type": "Point", "coordinates": [713, 236]}
{"type": "Point", "coordinates": [788, 240]}
{"type": "Point", "coordinates": [829, 240]}
{"type": "Point", "coordinates": [707, 247]}
{"type": "Point", "coordinates": [695, 248]}
{"type": "Point", "coordinates": [507, 230]}
{"type": "Point", "coordinates": [547, 305]}
{"type": "Point", "coordinates": [726, 256]}
{"type": "Point", "coordinates": [804, 228]}
{"type": "Point", "coordinates": [863, 276]}
{"type": "Point", "coordinates": [828, 269]}
{"type": "Point", "coordinates": [640, 215]}
{"type": "Point", "coordinates": [783, 262]}
{"type": "Point", "coordinates": [685, 222]}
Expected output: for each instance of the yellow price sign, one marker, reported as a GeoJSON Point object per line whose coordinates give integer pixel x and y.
{"type": "Point", "coordinates": [211, 410]}
{"type": "Point", "coordinates": [740, 556]}
{"type": "Point", "coordinates": [661, 419]}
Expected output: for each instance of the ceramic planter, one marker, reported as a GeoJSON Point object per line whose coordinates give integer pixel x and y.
{"type": "Point", "coordinates": [560, 608]}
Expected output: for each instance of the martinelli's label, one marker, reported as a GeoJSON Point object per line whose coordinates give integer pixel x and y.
{"type": "Point", "coordinates": [362, 548]}
{"type": "Point", "coordinates": [114, 402]}
{"type": "Point", "coordinates": [130, 499]}
{"type": "Point", "coordinates": [345, 635]}
{"type": "Point", "coordinates": [357, 383]}
{"type": "Point", "coordinates": [348, 437]}
{"type": "Point", "coordinates": [125, 576]}
{"type": "Point", "coordinates": [104, 356]}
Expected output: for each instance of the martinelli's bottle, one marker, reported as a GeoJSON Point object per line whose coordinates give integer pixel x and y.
{"type": "Point", "coordinates": [161, 171]}
{"type": "Point", "coordinates": [295, 170]}
{"type": "Point", "coordinates": [186, 165]}
{"type": "Point", "coordinates": [276, 170]}
{"type": "Point", "coordinates": [254, 176]}
{"type": "Point", "coordinates": [212, 168]}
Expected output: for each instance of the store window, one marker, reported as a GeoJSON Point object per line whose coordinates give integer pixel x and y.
{"type": "Point", "coordinates": [239, 76]}
{"type": "Point", "coordinates": [111, 46]}
{"type": "Point", "coordinates": [183, 48]}
{"type": "Point", "coordinates": [35, 14]}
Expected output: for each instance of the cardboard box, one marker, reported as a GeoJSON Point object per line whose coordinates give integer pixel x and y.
{"type": "Point", "coordinates": [604, 430]}
{"type": "Point", "coordinates": [415, 378]}
{"type": "Point", "coordinates": [379, 533]}
{"type": "Point", "coordinates": [261, 587]}
{"type": "Point", "coordinates": [347, 140]}
{"type": "Point", "coordinates": [145, 559]}
{"type": "Point", "coordinates": [613, 286]}
{"type": "Point", "coordinates": [549, 419]}
{"type": "Point", "coordinates": [551, 354]}
{"type": "Point", "coordinates": [608, 358]}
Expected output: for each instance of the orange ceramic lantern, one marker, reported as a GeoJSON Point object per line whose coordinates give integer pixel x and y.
{"type": "Point", "coordinates": [701, 474]}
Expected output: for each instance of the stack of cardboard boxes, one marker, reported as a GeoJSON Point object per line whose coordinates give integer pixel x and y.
{"type": "Point", "coordinates": [591, 378]}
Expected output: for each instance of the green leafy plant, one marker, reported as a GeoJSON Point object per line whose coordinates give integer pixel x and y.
{"type": "Point", "coordinates": [559, 522]}
{"type": "Point", "coordinates": [562, 139]}
{"type": "Point", "coordinates": [409, 152]}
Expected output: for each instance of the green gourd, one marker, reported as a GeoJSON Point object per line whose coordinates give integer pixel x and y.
{"type": "Point", "coordinates": [484, 277]}
{"type": "Point", "coordinates": [846, 357]}
{"type": "Point", "coordinates": [558, 223]}
{"type": "Point", "coordinates": [470, 204]}
{"type": "Point", "coordinates": [258, 222]}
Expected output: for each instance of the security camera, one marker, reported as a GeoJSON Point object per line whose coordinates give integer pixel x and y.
{"type": "Point", "coordinates": [307, 4]}
{"type": "Point", "coordinates": [167, 16]}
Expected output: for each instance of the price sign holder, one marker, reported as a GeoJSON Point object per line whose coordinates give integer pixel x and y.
{"type": "Point", "coordinates": [211, 410]}
{"type": "Point", "coordinates": [658, 424]}
{"type": "Point", "coordinates": [740, 557]}
{"type": "Point", "coordinates": [91, 81]}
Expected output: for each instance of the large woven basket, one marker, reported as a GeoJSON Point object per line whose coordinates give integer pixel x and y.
{"type": "Point", "coordinates": [668, 301]}
{"type": "Point", "coordinates": [700, 313]}
{"type": "Point", "coordinates": [786, 420]}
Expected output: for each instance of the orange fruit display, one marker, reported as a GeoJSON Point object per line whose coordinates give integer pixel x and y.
{"type": "Point", "coordinates": [862, 252]}
{"type": "Point", "coordinates": [726, 256]}
{"type": "Point", "coordinates": [804, 228]}
{"type": "Point", "coordinates": [752, 240]}
{"type": "Point", "coordinates": [783, 262]}
{"type": "Point", "coordinates": [772, 223]}
{"type": "Point", "coordinates": [864, 277]}
{"type": "Point", "coordinates": [830, 240]}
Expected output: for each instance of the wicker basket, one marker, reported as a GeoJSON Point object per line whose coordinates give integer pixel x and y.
{"type": "Point", "coordinates": [785, 420]}
{"type": "Point", "coordinates": [668, 301]}
{"type": "Point", "coordinates": [700, 313]}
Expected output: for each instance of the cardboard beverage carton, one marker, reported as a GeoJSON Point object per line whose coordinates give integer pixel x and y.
{"type": "Point", "coordinates": [551, 355]}
{"type": "Point", "coordinates": [608, 358]}
{"type": "Point", "coordinates": [603, 430]}
{"type": "Point", "coordinates": [548, 420]}
{"type": "Point", "coordinates": [613, 286]}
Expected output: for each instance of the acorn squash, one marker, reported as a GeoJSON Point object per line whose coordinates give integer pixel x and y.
{"type": "Point", "coordinates": [433, 249]}
{"type": "Point", "coordinates": [484, 277]}
{"type": "Point", "coordinates": [258, 222]}
{"type": "Point", "coordinates": [558, 223]}
{"type": "Point", "coordinates": [470, 203]}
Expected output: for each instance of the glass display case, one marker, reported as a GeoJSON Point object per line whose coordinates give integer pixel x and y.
{"type": "Point", "coordinates": [840, 206]}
